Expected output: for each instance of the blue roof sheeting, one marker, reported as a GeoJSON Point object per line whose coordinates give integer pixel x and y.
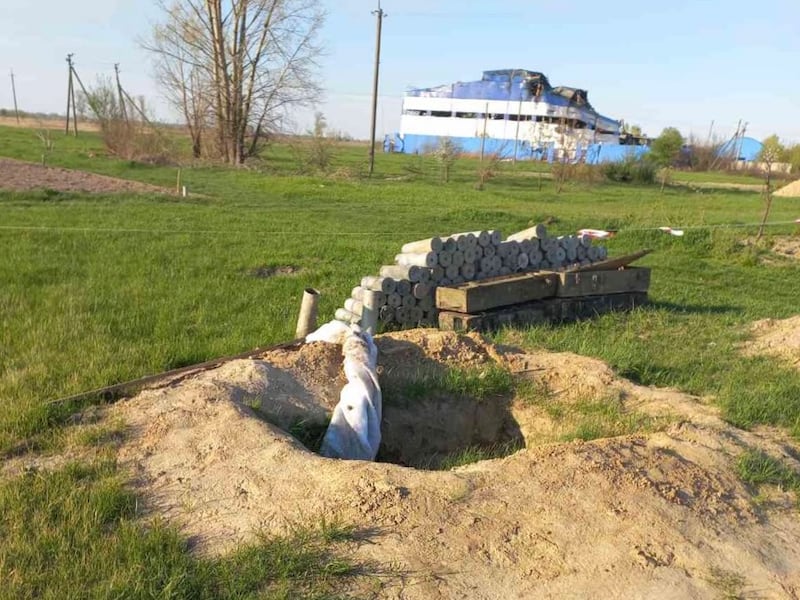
{"type": "Point", "coordinates": [745, 148]}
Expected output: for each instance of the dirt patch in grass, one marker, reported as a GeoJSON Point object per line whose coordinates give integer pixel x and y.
{"type": "Point", "coordinates": [776, 337]}
{"type": "Point", "coordinates": [788, 246]}
{"type": "Point", "coordinates": [266, 271]}
{"type": "Point", "coordinates": [17, 175]}
{"type": "Point", "coordinates": [617, 517]}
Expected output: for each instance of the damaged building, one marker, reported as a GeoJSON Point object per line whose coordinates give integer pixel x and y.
{"type": "Point", "coordinates": [512, 112]}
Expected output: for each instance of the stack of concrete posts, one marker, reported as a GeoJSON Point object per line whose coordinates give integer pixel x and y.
{"type": "Point", "coordinates": [533, 249]}
{"type": "Point", "coordinates": [403, 295]}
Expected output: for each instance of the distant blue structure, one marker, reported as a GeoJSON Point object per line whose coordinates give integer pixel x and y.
{"type": "Point", "coordinates": [741, 148]}
{"type": "Point", "coordinates": [512, 112]}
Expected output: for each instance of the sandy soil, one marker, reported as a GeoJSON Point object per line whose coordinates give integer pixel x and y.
{"type": "Point", "coordinates": [775, 337]}
{"type": "Point", "coordinates": [18, 175]}
{"type": "Point", "coordinates": [660, 515]}
{"type": "Point", "coordinates": [789, 191]}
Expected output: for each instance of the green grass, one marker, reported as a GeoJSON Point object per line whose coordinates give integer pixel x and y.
{"type": "Point", "coordinates": [757, 469]}
{"type": "Point", "coordinates": [96, 290]}
{"type": "Point", "coordinates": [478, 383]}
{"type": "Point", "coordinates": [474, 454]}
{"type": "Point", "coordinates": [716, 177]}
{"type": "Point", "coordinates": [75, 533]}
{"type": "Point", "coordinates": [595, 419]}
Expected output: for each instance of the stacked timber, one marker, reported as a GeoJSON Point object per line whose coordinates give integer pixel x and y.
{"type": "Point", "coordinates": [545, 296]}
{"type": "Point", "coordinates": [403, 295]}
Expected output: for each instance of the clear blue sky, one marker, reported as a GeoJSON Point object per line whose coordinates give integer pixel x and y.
{"type": "Point", "coordinates": [681, 63]}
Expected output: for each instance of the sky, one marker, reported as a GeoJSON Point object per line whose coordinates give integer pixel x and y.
{"type": "Point", "coordinates": [682, 63]}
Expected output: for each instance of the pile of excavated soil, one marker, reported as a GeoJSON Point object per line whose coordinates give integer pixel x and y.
{"type": "Point", "coordinates": [789, 191]}
{"type": "Point", "coordinates": [20, 176]}
{"type": "Point", "coordinates": [776, 337]}
{"type": "Point", "coordinates": [634, 516]}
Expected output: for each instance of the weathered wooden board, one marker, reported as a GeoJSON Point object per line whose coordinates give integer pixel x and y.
{"type": "Point", "coordinates": [614, 263]}
{"type": "Point", "coordinates": [477, 296]}
{"type": "Point", "coordinates": [594, 283]}
{"type": "Point", "coordinates": [541, 311]}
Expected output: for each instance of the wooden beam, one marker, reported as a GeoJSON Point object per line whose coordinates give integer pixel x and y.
{"type": "Point", "coordinates": [476, 296]}
{"type": "Point", "coordinates": [119, 390]}
{"type": "Point", "coordinates": [548, 310]}
{"type": "Point", "coordinates": [595, 283]}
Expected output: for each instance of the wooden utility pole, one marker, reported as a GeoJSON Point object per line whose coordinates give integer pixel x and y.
{"type": "Point", "coordinates": [14, 93]}
{"type": "Point", "coordinates": [380, 15]}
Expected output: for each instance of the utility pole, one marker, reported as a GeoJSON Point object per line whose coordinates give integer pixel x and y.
{"type": "Point", "coordinates": [380, 14]}
{"type": "Point", "coordinates": [71, 98]}
{"type": "Point", "coordinates": [123, 113]}
{"type": "Point", "coordinates": [14, 93]}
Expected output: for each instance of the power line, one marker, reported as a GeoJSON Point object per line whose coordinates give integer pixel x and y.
{"type": "Point", "coordinates": [239, 232]}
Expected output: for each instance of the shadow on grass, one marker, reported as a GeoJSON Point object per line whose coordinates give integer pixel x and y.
{"type": "Point", "coordinates": [694, 309]}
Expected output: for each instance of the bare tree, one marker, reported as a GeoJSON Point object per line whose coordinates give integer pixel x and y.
{"type": "Point", "coordinates": [234, 66]}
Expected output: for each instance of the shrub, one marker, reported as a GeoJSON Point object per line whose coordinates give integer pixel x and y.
{"type": "Point", "coordinates": [630, 170]}
{"type": "Point", "coordinates": [123, 134]}
{"type": "Point", "coordinates": [666, 148]}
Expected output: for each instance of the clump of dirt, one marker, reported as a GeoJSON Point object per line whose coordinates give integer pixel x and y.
{"type": "Point", "coordinates": [24, 176]}
{"type": "Point", "coordinates": [265, 271]}
{"type": "Point", "coordinates": [776, 337]}
{"type": "Point", "coordinates": [629, 516]}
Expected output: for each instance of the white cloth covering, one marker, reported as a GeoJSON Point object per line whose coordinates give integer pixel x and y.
{"type": "Point", "coordinates": [354, 432]}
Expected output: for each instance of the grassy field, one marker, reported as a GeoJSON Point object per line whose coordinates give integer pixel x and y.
{"type": "Point", "coordinates": [100, 289]}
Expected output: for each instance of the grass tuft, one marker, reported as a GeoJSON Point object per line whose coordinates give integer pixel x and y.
{"type": "Point", "coordinates": [474, 454]}
{"type": "Point", "coordinates": [758, 468]}
{"type": "Point", "coordinates": [480, 383]}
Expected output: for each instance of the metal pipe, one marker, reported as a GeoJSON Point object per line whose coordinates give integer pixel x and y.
{"type": "Point", "coordinates": [307, 319]}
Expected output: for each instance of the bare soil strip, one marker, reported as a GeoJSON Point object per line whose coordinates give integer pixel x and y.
{"type": "Point", "coordinates": [17, 175]}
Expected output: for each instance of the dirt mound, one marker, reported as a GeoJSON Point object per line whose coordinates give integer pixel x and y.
{"type": "Point", "coordinates": [776, 337]}
{"type": "Point", "coordinates": [23, 176]}
{"type": "Point", "coordinates": [788, 247]}
{"type": "Point", "coordinates": [629, 516]}
{"type": "Point", "coordinates": [789, 191]}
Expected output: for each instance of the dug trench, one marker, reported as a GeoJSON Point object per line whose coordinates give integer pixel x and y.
{"type": "Point", "coordinates": [589, 485]}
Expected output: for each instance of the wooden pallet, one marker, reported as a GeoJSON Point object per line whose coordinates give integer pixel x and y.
{"type": "Point", "coordinates": [541, 311]}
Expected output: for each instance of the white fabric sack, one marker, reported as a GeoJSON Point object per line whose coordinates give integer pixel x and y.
{"type": "Point", "coordinates": [354, 432]}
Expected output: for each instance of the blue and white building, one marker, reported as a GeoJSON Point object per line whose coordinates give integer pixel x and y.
{"type": "Point", "coordinates": [508, 112]}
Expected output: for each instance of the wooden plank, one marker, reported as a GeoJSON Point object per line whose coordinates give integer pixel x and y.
{"type": "Point", "coordinates": [476, 296]}
{"type": "Point", "coordinates": [595, 283]}
{"type": "Point", "coordinates": [613, 263]}
{"type": "Point", "coordinates": [541, 311]}
{"type": "Point", "coordinates": [127, 388]}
